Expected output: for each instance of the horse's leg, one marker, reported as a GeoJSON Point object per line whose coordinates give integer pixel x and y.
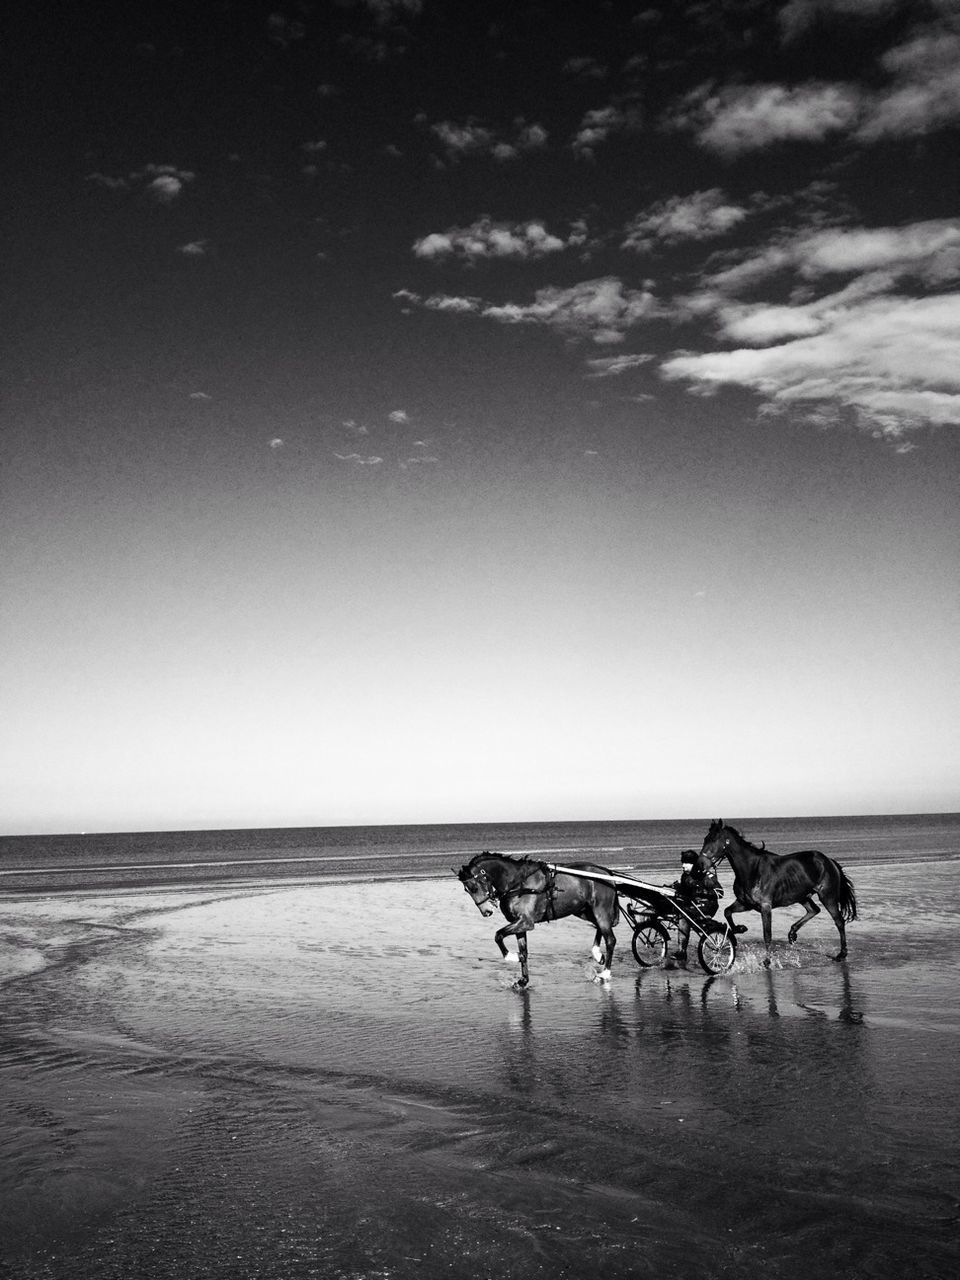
{"type": "Point", "coordinates": [524, 978]}
{"type": "Point", "coordinates": [831, 905]}
{"type": "Point", "coordinates": [512, 930]}
{"type": "Point", "coordinates": [610, 938]}
{"type": "Point", "coordinates": [735, 908]}
{"type": "Point", "coordinates": [766, 915]}
{"type": "Point", "coordinates": [812, 910]}
{"type": "Point", "coordinates": [604, 916]}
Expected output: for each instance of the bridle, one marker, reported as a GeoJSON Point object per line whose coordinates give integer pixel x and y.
{"type": "Point", "coordinates": [724, 853]}
{"type": "Point", "coordinates": [481, 878]}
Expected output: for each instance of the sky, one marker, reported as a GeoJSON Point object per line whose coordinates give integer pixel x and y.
{"type": "Point", "coordinates": [425, 412]}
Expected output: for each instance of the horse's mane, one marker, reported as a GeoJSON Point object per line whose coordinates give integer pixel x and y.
{"type": "Point", "coordinates": [719, 825]}
{"type": "Point", "coordinates": [521, 861]}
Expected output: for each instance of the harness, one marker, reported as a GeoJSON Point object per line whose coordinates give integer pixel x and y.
{"type": "Point", "coordinates": [523, 886]}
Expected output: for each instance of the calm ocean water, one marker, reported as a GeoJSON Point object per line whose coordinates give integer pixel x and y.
{"type": "Point", "coordinates": [296, 1054]}
{"type": "Point", "coordinates": [113, 860]}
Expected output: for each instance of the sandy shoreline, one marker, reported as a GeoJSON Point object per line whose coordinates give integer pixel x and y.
{"type": "Point", "coordinates": [336, 1080]}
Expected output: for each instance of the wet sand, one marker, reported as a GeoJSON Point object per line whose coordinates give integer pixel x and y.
{"type": "Point", "coordinates": [337, 1080]}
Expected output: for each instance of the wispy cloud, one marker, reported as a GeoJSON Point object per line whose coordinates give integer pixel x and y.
{"type": "Point", "coordinates": [613, 366]}
{"type": "Point", "coordinates": [600, 311]}
{"type": "Point", "coordinates": [922, 94]}
{"type": "Point", "coordinates": [703, 215]}
{"type": "Point", "coordinates": [400, 416]}
{"type": "Point", "coordinates": [488, 239]}
{"type": "Point", "coordinates": [162, 183]}
{"type": "Point", "coordinates": [108, 182]}
{"type": "Point", "coordinates": [737, 119]}
{"type": "Point", "coordinates": [797, 16]}
{"type": "Point", "coordinates": [284, 31]}
{"type": "Point", "coordinates": [891, 361]}
{"type": "Point", "coordinates": [602, 123]}
{"type": "Point", "coordinates": [584, 68]}
{"type": "Point", "coordinates": [386, 11]}
{"type": "Point", "coordinates": [472, 138]}
{"type": "Point", "coordinates": [929, 251]}
{"type": "Point", "coordinates": [871, 344]}
{"type": "Point", "coordinates": [925, 92]}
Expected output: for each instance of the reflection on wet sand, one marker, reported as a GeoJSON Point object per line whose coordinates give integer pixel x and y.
{"type": "Point", "coordinates": [303, 1080]}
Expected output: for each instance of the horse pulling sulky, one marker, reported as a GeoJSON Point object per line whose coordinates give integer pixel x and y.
{"type": "Point", "coordinates": [529, 892]}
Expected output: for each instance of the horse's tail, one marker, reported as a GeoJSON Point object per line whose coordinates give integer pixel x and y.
{"type": "Point", "coordinates": [843, 888]}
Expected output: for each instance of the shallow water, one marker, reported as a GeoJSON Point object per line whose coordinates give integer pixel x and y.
{"type": "Point", "coordinates": [337, 1079]}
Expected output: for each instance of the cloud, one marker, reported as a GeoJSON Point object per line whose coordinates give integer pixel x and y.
{"type": "Point", "coordinates": [358, 459]}
{"type": "Point", "coordinates": [925, 93]}
{"type": "Point", "coordinates": [163, 183]}
{"type": "Point", "coordinates": [738, 119]}
{"type": "Point", "coordinates": [486, 239]}
{"type": "Point", "coordinates": [890, 360]}
{"type": "Point", "coordinates": [584, 68]}
{"type": "Point", "coordinates": [385, 12]}
{"type": "Point", "coordinates": [440, 302]}
{"type": "Point", "coordinates": [284, 31]}
{"type": "Point", "coordinates": [921, 96]}
{"type": "Point", "coordinates": [613, 366]}
{"type": "Point", "coordinates": [474, 139]}
{"type": "Point", "coordinates": [926, 251]}
{"type": "Point", "coordinates": [852, 333]}
{"type": "Point", "coordinates": [399, 416]}
{"type": "Point", "coordinates": [195, 249]}
{"type": "Point", "coordinates": [600, 311]}
{"type": "Point", "coordinates": [600, 124]}
{"type": "Point", "coordinates": [108, 182]}
{"type": "Point", "coordinates": [700, 216]}
{"type": "Point", "coordinates": [462, 139]}
{"type": "Point", "coordinates": [798, 15]}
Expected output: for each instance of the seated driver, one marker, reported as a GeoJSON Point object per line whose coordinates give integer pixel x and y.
{"type": "Point", "coordinates": [697, 889]}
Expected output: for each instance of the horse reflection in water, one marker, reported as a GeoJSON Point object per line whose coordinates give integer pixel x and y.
{"type": "Point", "coordinates": [764, 880]}
{"type": "Point", "coordinates": [529, 893]}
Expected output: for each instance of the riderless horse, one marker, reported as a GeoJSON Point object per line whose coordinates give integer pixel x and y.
{"type": "Point", "coordinates": [765, 880]}
{"type": "Point", "coordinates": [530, 892]}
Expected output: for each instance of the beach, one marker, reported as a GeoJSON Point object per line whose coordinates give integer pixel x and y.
{"type": "Point", "coordinates": [335, 1078]}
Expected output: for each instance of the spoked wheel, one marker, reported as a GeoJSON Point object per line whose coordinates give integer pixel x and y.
{"type": "Point", "coordinates": [650, 940]}
{"type": "Point", "coordinates": [717, 950]}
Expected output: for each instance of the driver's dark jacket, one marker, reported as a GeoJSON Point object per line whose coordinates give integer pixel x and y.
{"type": "Point", "coordinates": [701, 890]}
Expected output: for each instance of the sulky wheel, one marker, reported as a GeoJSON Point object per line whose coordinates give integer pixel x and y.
{"type": "Point", "coordinates": [717, 950]}
{"type": "Point", "coordinates": [650, 940]}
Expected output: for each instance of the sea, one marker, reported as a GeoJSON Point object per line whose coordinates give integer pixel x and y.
{"type": "Point", "coordinates": [152, 858]}
{"type": "Point", "coordinates": [297, 1053]}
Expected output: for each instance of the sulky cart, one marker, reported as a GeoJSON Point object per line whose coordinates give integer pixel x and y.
{"type": "Point", "coordinates": [653, 910]}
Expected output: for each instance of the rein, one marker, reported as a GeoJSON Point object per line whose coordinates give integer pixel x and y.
{"type": "Point", "coordinates": [520, 886]}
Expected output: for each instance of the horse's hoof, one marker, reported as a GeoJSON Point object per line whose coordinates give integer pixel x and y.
{"type": "Point", "coordinates": [520, 984]}
{"type": "Point", "coordinates": [841, 955]}
{"type": "Point", "coordinates": [603, 976]}
{"type": "Point", "coordinates": [792, 939]}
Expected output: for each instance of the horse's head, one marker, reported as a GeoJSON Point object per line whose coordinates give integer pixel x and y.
{"type": "Point", "coordinates": [478, 884]}
{"type": "Point", "coordinates": [716, 844]}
